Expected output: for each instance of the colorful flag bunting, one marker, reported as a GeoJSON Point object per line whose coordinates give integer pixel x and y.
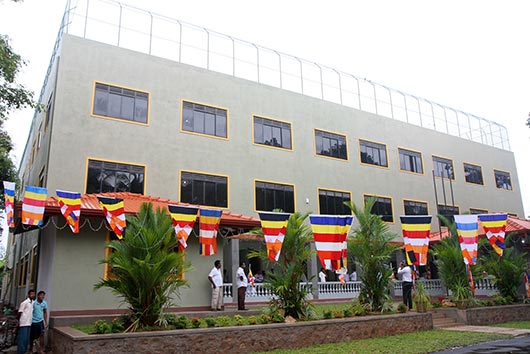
{"type": "Point", "coordinates": [470, 278]}
{"type": "Point", "coordinates": [9, 193]}
{"type": "Point", "coordinates": [330, 232]}
{"type": "Point", "coordinates": [416, 230]}
{"type": "Point", "coordinates": [209, 220]}
{"type": "Point", "coordinates": [467, 228]}
{"type": "Point", "coordinates": [274, 226]}
{"type": "Point", "coordinates": [495, 226]}
{"type": "Point", "coordinates": [114, 210]}
{"type": "Point", "coordinates": [250, 276]}
{"type": "Point", "coordinates": [70, 203]}
{"type": "Point", "coordinates": [33, 205]}
{"type": "Point", "coordinates": [183, 218]}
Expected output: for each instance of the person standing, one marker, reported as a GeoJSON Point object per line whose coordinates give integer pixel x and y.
{"type": "Point", "coordinates": [39, 323]}
{"type": "Point", "coordinates": [242, 283]}
{"type": "Point", "coordinates": [406, 277]}
{"type": "Point", "coordinates": [216, 279]}
{"type": "Point", "coordinates": [25, 314]}
{"type": "Point", "coordinates": [322, 275]}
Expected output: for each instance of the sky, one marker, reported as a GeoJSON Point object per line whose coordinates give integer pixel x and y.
{"type": "Point", "coordinates": [469, 55]}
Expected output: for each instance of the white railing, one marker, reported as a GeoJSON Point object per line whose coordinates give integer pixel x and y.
{"type": "Point", "coordinates": [260, 292]}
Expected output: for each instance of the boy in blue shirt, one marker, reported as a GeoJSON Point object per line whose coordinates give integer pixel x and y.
{"type": "Point", "coordinates": [39, 322]}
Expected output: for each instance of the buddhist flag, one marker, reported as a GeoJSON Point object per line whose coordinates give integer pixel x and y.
{"type": "Point", "coordinates": [209, 220]}
{"type": "Point", "coordinates": [183, 218]}
{"type": "Point", "coordinates": [274, 226]}
{"type": "Point", "coordinates": [330, 232]}
{"type": "Point", "coordinates": [495, 227]}
{"type": "Point", "coordinates": [70, 203]}
{"type": "Point", "coordinates": [416, 230]}
{"type": "Point", "coordinates": [467, 228]}
{"type": "Point", "coordinates": [9, 193]}
{"type": "Point", "coordinates": [33, 205]}
{"type": "Point", "coordinates": [251, 278]}
{"type": "Point", "coordinates": [114, 210]}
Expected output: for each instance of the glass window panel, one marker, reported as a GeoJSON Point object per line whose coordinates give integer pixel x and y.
{"type": "Point", "coordinates": [209, 193]}
{"type": "Point", "coordinates": [101, 102]}
{"type": "Point", "coordinates": [503, 180]}
{"type": "Point", "coordinates": [140, 110]}
{"type": "Point", "coordinates": [186, 190]}
{"type": "Point", "coordinates": [286, 137]}
{"type": "Point", "coordinates": [443, 167]}
{"type": "Point", "coordinates": [112, 177]}
{"type": "Point", "coordinates": [127, 108]}
{"type": "Point", "coordinates": [114, 106]}
{"type": "Point", "coordinates": [267, 135]}
{"type": "Point", "coordinates": [187, 116]}
{"type": "Point", "coordinates": [198, 122]}
{"type": "Point", "coordinates": [209, 124]}
{"type": "Point", "coordinates": [220, 126]}
{"type": "Point", "coordinates": [276, 136]}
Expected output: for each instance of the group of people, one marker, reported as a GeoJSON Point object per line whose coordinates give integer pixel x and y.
{"type": "Point", "coordinates": [215, 278]}
{"type": "Point", "coordinates": [342, 274]}
{"type": "Point", "coordinates": [32, 322]}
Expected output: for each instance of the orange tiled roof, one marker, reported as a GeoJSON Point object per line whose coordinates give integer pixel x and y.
{"type": "Point", "coordinates": [90, 207]}
{"type": "Point", "coordinates": [513, 224]}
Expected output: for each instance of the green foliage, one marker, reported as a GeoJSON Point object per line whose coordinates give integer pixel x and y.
{"type": "Point", "coordinates": [402, 308]}
{"type": "Point", "coordinates": [421, 297]}
{"type": "Point", "coordinates": [223, 321]}
{"type": "Point", "coordinates": [145, 267]}
{"type": "Point", "coordinates": [290, 297]}
{"type": "Point", "coordinates": [210, 322]}
{"type": "Point", "coordinates": [371, 245]}
{"type": "Point", "coordinates": [196, 322]}
{"type": "Point", "coordinates": [102, 327]}
{"type": "Point", "coordinates": [348, 313]}
{"type": "Point", "coordinates": [239, 320]}
{"type": "Point", "coordinates": [264, 319]}
{"type": "Point", "coordinates": [328, 314]}
{"type": "Point", "coordinates": [360, 309]}
{"type": "Point", "coordinates": [252, 320]}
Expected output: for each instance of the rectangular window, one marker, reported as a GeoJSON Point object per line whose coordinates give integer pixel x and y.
{"type": "Point", "coordinates": [503, 180]}
{"type": "Point", "coordinates": [49, 108]}
{"type": "Point", "coordinates": [272, 133]}
{"type": "Point", "coordinates": [42, 177]}
{"type": "Point", "coordinates": [274, 196]}
{"type": "Point", "coordinates": [443, 167]}
{"type": "Point", "coordinates": [410, 161]}
{"type": "Point", "coordinates": [198, 118]}
{"type": "Point", "coordinates": [117, 102]}
{"type": "Point", "coordinates": [413, 207]}
{"type": "Point", "coordinates": [34, 266]}
{"type": "Point", "coordinates": [106, 176]}
{"type": "Point", "coordinates": [330, 144]}
{"type": "Point", "coordinates": [332, 202]}
{"type": "Point", "coordinates": [373, 153]}
{"type": "Point", "coordinates": [448, 211]}
{"type": "Point", "coordinates": [474, 211]}
{"type": "Point", "coordinates": [473, 174]}
{"type": "Point", "coordinates": [23, 270]}
{"type": "Point", "coordinates": [382, 207]}
{"type": "Point", "coordinates": [204, 189]}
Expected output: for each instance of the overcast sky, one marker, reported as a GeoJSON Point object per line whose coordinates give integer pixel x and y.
{"type": "Point", "coordinates": [470, 55]}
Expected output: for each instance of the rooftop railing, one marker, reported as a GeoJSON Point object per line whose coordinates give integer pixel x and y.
{"type": "Point", "coordinates": [129, 27]}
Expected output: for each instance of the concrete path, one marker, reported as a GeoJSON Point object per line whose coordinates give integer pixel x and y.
{"type": "Point", "coordinates": [487, 329]}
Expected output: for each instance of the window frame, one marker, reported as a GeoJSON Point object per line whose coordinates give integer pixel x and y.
{"type": "Point", "coordinates": [315, 130]}
{"type": "Point", "coordinates": [467, 164]}
{"type": "Point", "coordinates": [227, 125]}
{"type": "Point", "coordinates": [206, 174]}
{"type": "Point", "coordinates": [257, 116]}
{"type": "Point", "coordinates": [450, 206]}
{"type": "Point", "coordinates": [335, 191]}
{"type": "Point", "coordinates": [116, 162]}
{"type": "Point", "coordinates": [495, 171]}
{"type": "Point", "coordinates": [473, 211]}
{"type": "Point", "coordinates": [366, 196]}
{"type": "Point", "coordinates": [120, 119]}
{"type": "Point", "coordinates": [387, 166]}
{"type": "Point", "coordinates": [273, 183]}
{"type": "Point", "coordinates": [414, 152]}
{"type": "Point", "coordinates": [415, 201]}
{"type": "Point", "coordinates": [447, 159]}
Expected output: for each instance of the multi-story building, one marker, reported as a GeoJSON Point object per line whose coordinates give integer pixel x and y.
{"type": "Point", "coordinates": [198, 124]}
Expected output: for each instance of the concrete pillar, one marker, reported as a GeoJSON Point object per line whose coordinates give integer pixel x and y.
{"type": "Point", "coordinates": [234, 251]}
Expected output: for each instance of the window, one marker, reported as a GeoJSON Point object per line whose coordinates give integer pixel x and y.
{"type": "Point", "coordinates": [373, 153]}
{"type": "Point", "coordinates": [116, 102]}
{"type": "Point", "coordinates": [413, 207]}
{"type": "Point", "coordinates": [382, 207]}
{"type": "Point", "coordinates": [49, 108]}
{"type": "Point", "coordinates": [198, 118]}
{"type": "Point", "coordinates": [272, 133]}
{"type": "Point", "coordinates": [204, 189]}
{"type": "Point", "coordinates": [42, 177]}
{"type": "Point", "coordinates": [503, 180]}
{"type": "Point", "coordinates": [473, 173]}
{"type": "Point", "coordinates": [332, 202]}
{"type": "Point", "coordinates": [34, 266]}
{"type": "Point", "coordinates": [410, 161]}
{"type": "Point", "coordinates": [330, 144]}
{"type": "Point", "coordinates": [106, 176]}
{"type": "Point", "coordinates": [448, 211]}
{"type": "Point", "coordinates": [22, 270]}
{"type": "Point", "coordinates": [474, 211]}
{"type": "Point", "coordinates": [443, 167]}
{"type": "Point", "coordinates": [271, 196]}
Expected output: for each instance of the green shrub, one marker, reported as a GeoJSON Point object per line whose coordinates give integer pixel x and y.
{"type": "Point", "coordinates": [196, 322]}
{"type": "Point", "coordinates": [252, 320]}
{"type": "Point", "coordinates": [210, 322]}
{"type": "Point", "coordinates": [328, 314]}
{"type": "Point", "coordinates": [402, 308]}
{"type": "Point", "coordinates": [338, 314]}
{"type": "Point", "coordinates": [116, 326]}
{"type": "Point", "coordinates": [102, 327]}
{"type": "Point", "coordinates": [348, 313]}
{"type": "Point", "coordinates": [239, 320]}
{"type": "Point", "coordinates": [278, 318]}
{"type": "Point", "coordinates": [264, 319]}
{"type": "Point", "coordinates": [182, 322]}
{"type": "Point", "coordinates": [223, 321]}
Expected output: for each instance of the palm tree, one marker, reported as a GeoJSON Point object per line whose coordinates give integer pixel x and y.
{"type": "Point", "coordinates": [146, 269]}
{"type": "Point", "coordinates": [285, 281]}
{"type": "Point", "coordinates": [371, 245]}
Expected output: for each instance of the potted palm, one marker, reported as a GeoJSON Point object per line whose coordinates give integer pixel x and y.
{"type": "Point", "coordinates": [421, 298]}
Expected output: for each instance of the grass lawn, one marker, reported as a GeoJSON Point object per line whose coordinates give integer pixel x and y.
{"type": "Point", "coordinates": [514, 324]}
{"type": "Point", "coordinates": [410, 343]}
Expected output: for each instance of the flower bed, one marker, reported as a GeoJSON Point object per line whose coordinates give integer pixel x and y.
{"type": "Point", "coordinates": [239, 339]}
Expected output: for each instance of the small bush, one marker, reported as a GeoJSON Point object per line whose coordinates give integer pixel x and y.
{"type": "Point", "coordinates": [102, 327]}
{"type": "Point", "coordinates": [116, 326]}
{"type": "Point", "coordinates": [402, 308]}
{"type": "Point", "coordinates": [252, 320]}
{"type": "Point", "coordinates": [338, 314]}
{"type": "Point", "coordinates": [223, 321]}
{"type": "Point", "coordinates": [239, 320]}
{"type": "Point", "coordinates": [196, 322]}
{"type": "Point", "coordinates": [182, 322]}
{"type": "Point", "coordinates": [210, 322]}
{"type": "Point", "coordinates": [278, 318]}
{"type": "Point", "coordinates": [328, 314]}
{"type": "Point", "coordinates": [348, 313]}
{"type": "Point", "coordinates": [360, 309]}
{"type": "Point", "coordinates": [264, 319]}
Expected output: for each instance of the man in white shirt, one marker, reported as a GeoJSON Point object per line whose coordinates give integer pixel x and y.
{"type": "Point", "coordinates": [242, 282]}
{"type": "Point", "coordinates": [322, 275]}
{"type": "Point", "coordinates": [25, 317]}
{"type": "Point", "coordinates": [406, 277]}
{"type": "Point", "coordinates": [216, 279]}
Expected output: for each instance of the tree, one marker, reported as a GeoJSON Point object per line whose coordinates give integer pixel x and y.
{"type": "Point", "coordinates": [145, 268]}
{"type": "Point", "coordinates": [372, 247]}
{"type": "Point", "coordinates": [294, 257]}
